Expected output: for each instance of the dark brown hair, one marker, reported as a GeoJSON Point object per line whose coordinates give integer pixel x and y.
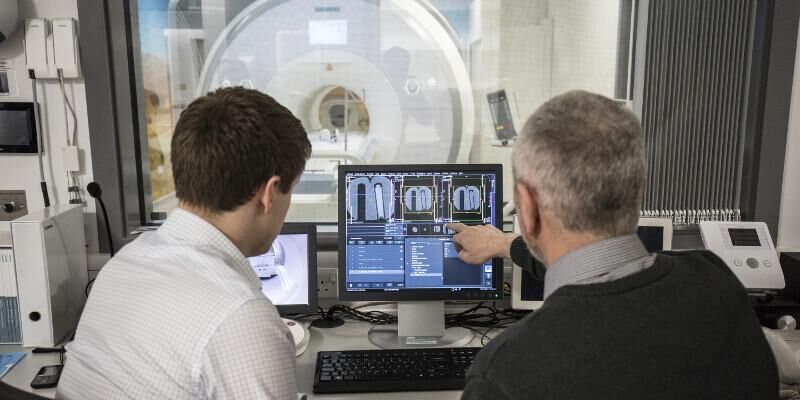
{"type": "Point", "coordinates": [230, 142]}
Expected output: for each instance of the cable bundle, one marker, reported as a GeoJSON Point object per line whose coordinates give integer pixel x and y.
{"type": "Point", "coordinates": [481, 318]}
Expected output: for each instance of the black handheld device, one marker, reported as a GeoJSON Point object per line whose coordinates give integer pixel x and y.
{"type": "Point", "coordinates": [47, 377]}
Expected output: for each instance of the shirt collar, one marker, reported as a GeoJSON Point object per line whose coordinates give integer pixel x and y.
{"type": "Point", "coordinates": [591, 261]}
{"type": "Point", "coordinates": [185, 226]}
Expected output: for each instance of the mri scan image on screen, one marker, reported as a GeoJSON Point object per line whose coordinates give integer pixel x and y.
{"type": "Point", "coordinates": [395, 224]}
{"type": "Point", "coordinates": [283, 270]}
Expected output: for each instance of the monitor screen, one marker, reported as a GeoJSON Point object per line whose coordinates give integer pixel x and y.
{"type": "Point", "coordinates": [394, 243]}
{"type": "Point", "coordinates": [652, 237]}
{"type": "Point", "coordinates": [744, 237]}
{"type": "Point", "coordinates": [288, 270]}
{"type": "Point", "coordinates": [17, 128]}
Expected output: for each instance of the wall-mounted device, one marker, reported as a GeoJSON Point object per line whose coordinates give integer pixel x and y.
{"type": "Point", "coordinates": [747, 249]}
{"type": "Point", "coordinates": [18, 128]}
{"type": "Point", "coordinates": [51, 47]}
{"type": "Point", "coordinates": [65, 47]}
{"type": "Point", "coordinates": [13, 204]}
{"type": "Point", "coordinates": [37, 58]}
{"type": "Point", "coordinates": [502, 117]}
{"type": "Point", "coordinates": [9, 18]}
{"type": "Point", "coordinates": [50, 258]}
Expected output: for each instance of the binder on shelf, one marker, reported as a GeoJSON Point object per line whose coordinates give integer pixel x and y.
{"type": "Point", "coordinates": [10, 332]}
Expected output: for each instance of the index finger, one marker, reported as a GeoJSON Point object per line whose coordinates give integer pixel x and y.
{"type": "Point", "coordinates": [456, 226]}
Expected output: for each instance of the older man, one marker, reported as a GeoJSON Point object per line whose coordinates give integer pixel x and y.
{"type": "Point", "coordinates": [617, 322]}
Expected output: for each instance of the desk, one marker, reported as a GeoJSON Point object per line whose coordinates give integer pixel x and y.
{"type": "Point", "coordinates": [353, 336]}
{"type": "Point", "coordinates": [22, 374]}
{"type": "Point", "coordinates": [350, 336]}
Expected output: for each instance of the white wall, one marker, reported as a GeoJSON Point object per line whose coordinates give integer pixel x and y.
{"type": "Point", "coordinates": [21, 172]}
{"type": "Point", "coordinates": [789, 222]}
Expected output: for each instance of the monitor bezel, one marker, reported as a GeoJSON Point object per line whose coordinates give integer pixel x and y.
{"type": "Point", "coordinates": [310, 230]}
{"type": "Point", "coordinates": [419, 294]}
{"type": "Point", "coordinates": [665, 223]}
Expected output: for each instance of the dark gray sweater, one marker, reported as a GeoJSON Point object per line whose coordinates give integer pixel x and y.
{"type": "Point", "coordinates": [680, 329]}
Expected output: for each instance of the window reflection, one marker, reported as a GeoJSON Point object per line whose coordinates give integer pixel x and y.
{"type": "Point", "coordinates": [392, 81]}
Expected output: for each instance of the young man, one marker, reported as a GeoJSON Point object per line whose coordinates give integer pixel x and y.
{"type": "Point", "coordinates": [617, 322]}
{"type": "Point", "coordinates": [179, 313]}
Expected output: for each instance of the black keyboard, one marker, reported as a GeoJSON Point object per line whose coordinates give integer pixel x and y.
{"type": "Point", "coordinates": [392, 370]}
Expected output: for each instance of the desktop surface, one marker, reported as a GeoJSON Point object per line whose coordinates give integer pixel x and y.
{"type": "Point", "coordinates": [21, 375]}
{"type": "Point", "coordinates": [353, 336]}
{"type": "Point", "coordinates": [394, 370]}
{"type": "Point", "coordinates": [350, 336]}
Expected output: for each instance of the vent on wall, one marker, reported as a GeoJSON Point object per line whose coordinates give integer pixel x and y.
{"type": "Point", "coordinates": [694, 101]}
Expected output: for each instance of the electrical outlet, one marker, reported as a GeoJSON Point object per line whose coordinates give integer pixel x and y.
{"type": "Point", "coordinates": [327, 283]}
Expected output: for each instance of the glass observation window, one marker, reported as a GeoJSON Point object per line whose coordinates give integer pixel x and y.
{"type": "Point", "coordinates": [388, 81]}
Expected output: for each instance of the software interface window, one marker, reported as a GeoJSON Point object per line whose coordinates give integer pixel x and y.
{"type": "Point", "coordinates": [396, 229]}
{"type": "Point", "coordinates": [284, 270]}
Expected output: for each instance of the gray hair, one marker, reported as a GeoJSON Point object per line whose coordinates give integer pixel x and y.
{"type": "Point", "coordinates": [584, 155]}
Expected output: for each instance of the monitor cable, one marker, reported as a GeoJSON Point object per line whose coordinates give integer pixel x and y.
{"type": "Point", "coordinates": [481, 318]}
{"type": "Point", "coordinates": [327, 319]}
{"type": "Point", "coordinates": [37, 115]}
{"type": "Point", "coordinates": [94, 190]}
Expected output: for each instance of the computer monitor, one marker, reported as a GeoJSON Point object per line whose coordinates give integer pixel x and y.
{"type": "Point", "coordinates": [394, 244]}
{"type": "Point", "coordinates": [527, 293]}
{"type": "Point", "coordinates": [288, 271]}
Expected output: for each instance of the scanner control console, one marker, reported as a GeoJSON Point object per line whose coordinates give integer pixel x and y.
{"type": "Point", "coordinates": [747, 249]}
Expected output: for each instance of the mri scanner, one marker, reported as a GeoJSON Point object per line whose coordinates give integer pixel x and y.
{"type": "Point", "coordinates": [372, 81]}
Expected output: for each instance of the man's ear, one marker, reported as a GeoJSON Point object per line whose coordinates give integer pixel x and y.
{"type": "Point", "coordinates": [266, 195]}
{"type": "Point", "coordinates": [527, 202]}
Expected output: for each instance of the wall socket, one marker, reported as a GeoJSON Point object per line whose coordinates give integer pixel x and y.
{"type": "Point", "coordinates": [327, 283]}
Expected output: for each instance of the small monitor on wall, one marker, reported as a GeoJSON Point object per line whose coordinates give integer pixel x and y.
{"type": "Point", "coordinates": [18, 128]}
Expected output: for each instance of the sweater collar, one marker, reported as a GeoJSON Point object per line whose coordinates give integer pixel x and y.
{"type": "Point", "coordinates": [592, 261]}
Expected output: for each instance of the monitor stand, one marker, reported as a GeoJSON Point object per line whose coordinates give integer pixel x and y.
{"type": "Point", "coordinates": [420, 324]}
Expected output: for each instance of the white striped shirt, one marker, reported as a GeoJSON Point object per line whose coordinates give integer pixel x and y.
{"type": "Point", "coordinates": [179, 314]}
{"type": "Point", "coordinates": [601, 261]}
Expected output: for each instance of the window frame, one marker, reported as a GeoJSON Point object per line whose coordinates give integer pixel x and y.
{"type": "Point", "coordinates": [109, 38]}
